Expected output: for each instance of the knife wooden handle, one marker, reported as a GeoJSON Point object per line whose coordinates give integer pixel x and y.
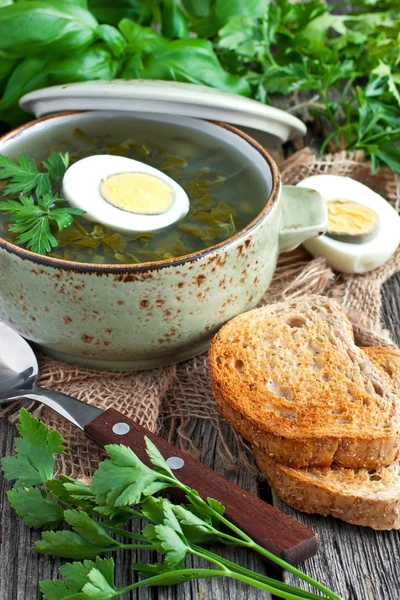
{"type": "Point", "coordinates": [270, 528]}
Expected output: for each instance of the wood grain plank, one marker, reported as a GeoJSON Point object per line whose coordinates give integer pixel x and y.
{"type": "Point", "coordinates": [357, 562]}
{"type": "Point", "coordinates": [391, 306]}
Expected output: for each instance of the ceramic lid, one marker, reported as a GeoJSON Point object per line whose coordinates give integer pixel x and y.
{"type": "Point", "coordinates": [269, 125]}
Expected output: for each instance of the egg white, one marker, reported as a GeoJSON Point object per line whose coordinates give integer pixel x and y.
{"type": "Point", "coordinates": [349, 257]}
{"type": "Point", "coordinates": [81, 189]}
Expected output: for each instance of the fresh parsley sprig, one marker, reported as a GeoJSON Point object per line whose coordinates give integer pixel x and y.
{"type": "Point", "coordinates": [25, 176]}
{"type": "Point", "coordinates": [123, 489]}
{"type": "Point", "coordinates": [31, 216]}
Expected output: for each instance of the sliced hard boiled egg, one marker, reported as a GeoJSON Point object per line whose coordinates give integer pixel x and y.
{"type": "Point", "coordinates": [351, 222]}
{"type": "Point", "coordinates": [355, 214]}
{"type": "Point", "coordinates": [124, 194]}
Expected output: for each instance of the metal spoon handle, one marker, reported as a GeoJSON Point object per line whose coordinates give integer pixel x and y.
{"type": "Point", "coordinates": [79, 413]}
{"type": "Point", "coordinates": [269, 527]}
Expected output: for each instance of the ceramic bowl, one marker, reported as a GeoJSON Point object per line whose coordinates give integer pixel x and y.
{"type": "Point", "coordinates": [153, 314]}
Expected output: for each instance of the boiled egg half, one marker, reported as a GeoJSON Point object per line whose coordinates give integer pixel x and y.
{"type": "Point", "coordinates": [363, 229]}
{"type": "Point", "coordinates": [124, 194]}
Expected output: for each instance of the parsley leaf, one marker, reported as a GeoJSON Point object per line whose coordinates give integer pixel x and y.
{"type": "Point", "coordinates": [87, 540]}
{"type": "Point", "coordinates": [87, 577]}
{"type": "Point", "coordinates": [101, 581]}
{"type": "Point", "coordinates": [35, 452]}
{"type": "Point", "coordinates": [56, 165]}
{"type": "Point", "coordinates": [125, 480]}
{"type": "Point", "coordinates": [69, 544]}
{"type": "Point", "coordinates": [31, 220]}
{"type": "Point", "coordinates": [88, 528]}
{"type": "Point", "coordinates": [24, 175]}
{"type": "Point", "coordinates": [36, 507]}
{"type": "Point", "coordinates": [76, 573]}
{"type": "Point", "coordinates": [30, 217]}
{"type": "Point", "coordinates": [71, 492]}
{"type": "Point", "coordinates": [169, 542]}
{"type": "Point", "coordinates": [114, 516]}
{"type": "Point", "coordinates": [157, 458]}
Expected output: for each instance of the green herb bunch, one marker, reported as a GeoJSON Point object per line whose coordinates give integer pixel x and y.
{"type": "Point", "coordinates": [30, 216]}
{"type": "Point", "coordinates": [124, 488]}
{"type": "Point", "coordinates": [338, 72]}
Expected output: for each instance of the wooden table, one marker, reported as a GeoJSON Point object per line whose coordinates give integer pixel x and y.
{"type": "Point", "coordinates": [356, 562]}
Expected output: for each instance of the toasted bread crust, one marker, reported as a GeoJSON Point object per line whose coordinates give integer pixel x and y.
{"type": "Point", "coordinates": [318, 452]}
{"type": "Point", "coordinates": [387, 359]}
{"type": "Point", "coordinates": [290, 379]}
{"type": "Point", "coordinates": [363, 506]}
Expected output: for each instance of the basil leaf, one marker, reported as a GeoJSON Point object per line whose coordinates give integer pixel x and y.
{"type": "Point", "coordinates": [141, 39]}
{"type": "Point", "coordinates": [29, 75]}
{"type": "Point", "coordinates": [7, 65]}
{"type": "Point", "coordinates": [113, 38]}
{"type": "Point", "coordinates": [112, 12]}
{"type": "Point", "coordinates": [81, 3]}
{"type": "Point", "coordinates": [173, 22]}
{"type": "Point", "coordinates": [197, 9]}
{"type": "Point", "coordinates": [34, 73]}
{"type": "Point", "coordinates": [192, 61]}
{"type": "Point", "coordinates": [34, 28]}
{"type": "Point", "coordinates": [219, 13]}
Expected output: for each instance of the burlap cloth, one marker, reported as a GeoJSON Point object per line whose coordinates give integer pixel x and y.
{"type": "Point", "coordinates": [172, 397]}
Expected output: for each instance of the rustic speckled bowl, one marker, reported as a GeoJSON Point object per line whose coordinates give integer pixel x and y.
{"type": "Point", "coordinates": [153, 314]}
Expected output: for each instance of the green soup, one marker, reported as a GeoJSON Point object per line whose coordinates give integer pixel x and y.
{"type": "Point", "coordinates": [225, 190]}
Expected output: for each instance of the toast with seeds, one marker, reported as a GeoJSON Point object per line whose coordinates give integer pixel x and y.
{"type": "Point", "coordinates": [291, 380]}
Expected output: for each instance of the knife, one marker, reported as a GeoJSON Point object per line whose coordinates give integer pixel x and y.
{"type": "Point", "coordinates": [267, 526]}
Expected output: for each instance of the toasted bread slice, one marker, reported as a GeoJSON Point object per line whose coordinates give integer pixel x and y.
{"type": "Point", "coordinates": [291, 380]}
{"type": "Point", "coordinates": [387, 359]}
{"type": "Point", "coordinates": [362, 497]}
{"type": "Point", "coordinates": [368, 497]}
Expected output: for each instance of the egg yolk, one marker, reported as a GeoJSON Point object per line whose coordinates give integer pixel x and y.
{"type": "Point", "coordinates": [139, 193]}
{"type": "Point", "coordinates": [350, 218]}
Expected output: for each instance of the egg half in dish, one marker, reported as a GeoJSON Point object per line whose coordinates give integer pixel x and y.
{"type": "Point", "coordinates": [124, 193]}
{"type": "Point", "coordinates": [363, 228]}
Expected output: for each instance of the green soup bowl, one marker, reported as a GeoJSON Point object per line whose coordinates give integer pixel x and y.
{"type": "Point", "coordinates": [146, 315]}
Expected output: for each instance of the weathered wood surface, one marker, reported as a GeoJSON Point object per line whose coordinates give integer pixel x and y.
{"type": "Point", "coordinates": [358, 563]}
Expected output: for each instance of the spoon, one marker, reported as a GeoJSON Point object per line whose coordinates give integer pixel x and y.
{"type": "Point", "coordinates": [270, 528]}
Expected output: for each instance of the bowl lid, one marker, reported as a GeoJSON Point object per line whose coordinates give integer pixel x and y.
{"type": "Point", "coordinates": [167, 97]}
